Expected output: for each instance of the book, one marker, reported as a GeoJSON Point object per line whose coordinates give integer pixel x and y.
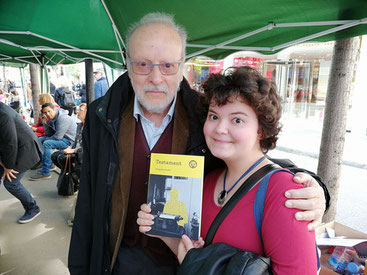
{"type": "Point", "coordinates": [175, 194]}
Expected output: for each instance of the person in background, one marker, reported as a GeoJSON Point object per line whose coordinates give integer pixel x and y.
{"type": "Point", "coordinates": [101, 85]}
{"type": "Point", "coordinates": [75, 150]}
{"type": "Point", "coordinates": [14, 101]}
{"type": "Point", "coordinates": [38, 128]}
{"type": "Point", "coordinates": [52, 89]}
{"type": "Point", "coordinates": [148, 109]}
{"type": "Point", "coordinates": [76, 153]}
{"type": "Point", "coordinates": [6, 99]}
{"type": "Point", "coordinates": [20, 150]}
{"type": "Point", "coordinates": [60, 132]}
{"type": "Point", "coordinates": [64, 87]}
{"type": "Point", "coordinates": [83, 93]}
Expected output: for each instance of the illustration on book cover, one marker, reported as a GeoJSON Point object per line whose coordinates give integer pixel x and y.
{"type": "Point", "coordinates": [174, 194]}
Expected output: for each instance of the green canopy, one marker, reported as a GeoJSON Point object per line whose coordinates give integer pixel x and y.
{"type": "Point", "coordinates": [52, 32]}
{"type": "Point", "coordinates": [68, 31]}
{"type": "Point", "coordinates": [217, 28]}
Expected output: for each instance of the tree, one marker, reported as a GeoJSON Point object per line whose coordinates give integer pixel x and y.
{"type": "Point", "coordinates": [35, 82]}
{"type": "Point", "coordinates": [334, 126]}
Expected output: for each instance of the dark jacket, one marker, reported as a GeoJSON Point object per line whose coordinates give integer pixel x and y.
{"type": "Point", "coordinates": [20, 148]}
{"type": "Point", "coordinates": [89, 251]}
{"type": "Point", "coordinates": [89, 247]}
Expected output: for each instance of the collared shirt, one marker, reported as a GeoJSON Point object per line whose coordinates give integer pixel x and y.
{"type": "Point", "coordinates": [152, 133]}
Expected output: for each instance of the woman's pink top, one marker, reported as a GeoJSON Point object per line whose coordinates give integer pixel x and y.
{"type": "Point", "coordinates": [291, 247]}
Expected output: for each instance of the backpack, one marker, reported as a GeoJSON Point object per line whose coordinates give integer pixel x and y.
{"type": "Point", "coordinates": [68, 99]}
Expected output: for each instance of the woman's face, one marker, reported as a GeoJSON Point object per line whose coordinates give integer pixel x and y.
{"type": "Point", "coordinates": [232, 130]}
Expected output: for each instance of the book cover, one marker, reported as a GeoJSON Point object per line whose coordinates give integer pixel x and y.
{"type": "Point", "coordinates": [175, 194]}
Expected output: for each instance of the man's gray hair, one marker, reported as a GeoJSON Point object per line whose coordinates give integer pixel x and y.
{"type": "Point", "coordinates": [158, 17]}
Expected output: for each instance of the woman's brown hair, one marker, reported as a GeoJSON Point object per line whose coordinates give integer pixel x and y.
{"type": "Point", "coordinates": [258, 92]}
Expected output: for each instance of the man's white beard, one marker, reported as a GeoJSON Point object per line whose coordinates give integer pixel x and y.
{"type": "Point", "coordinates": [151, 108]}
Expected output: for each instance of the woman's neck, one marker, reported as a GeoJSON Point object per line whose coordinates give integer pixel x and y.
{"type": "Point", "coordinates": [236, 168]}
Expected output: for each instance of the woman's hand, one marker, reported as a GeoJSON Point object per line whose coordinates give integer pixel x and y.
{"type": "Point", "coordinates": [145, 219]}
{"type": "Point", "coordinates": [185, 245]}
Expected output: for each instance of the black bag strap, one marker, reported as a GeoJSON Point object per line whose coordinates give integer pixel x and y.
{"type": "Point", "coordinates": [245, 187]}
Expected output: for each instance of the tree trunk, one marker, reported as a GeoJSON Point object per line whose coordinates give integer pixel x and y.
{"type": "Point", "coordinates": [35, 82]}
{"type": "Point", "coordinates": [334, 126]}
{"type": "Point", "coordinates": [89, 80]}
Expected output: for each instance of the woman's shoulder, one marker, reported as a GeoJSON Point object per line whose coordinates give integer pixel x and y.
{"type": "Point", "coordinates": [281, 181]}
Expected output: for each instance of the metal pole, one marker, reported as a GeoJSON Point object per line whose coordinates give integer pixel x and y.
{"type": "Point", "coordinates": [89, 80]}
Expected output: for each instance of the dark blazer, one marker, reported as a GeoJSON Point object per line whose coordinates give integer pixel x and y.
{"type": "Point", "coordinates": [20, 148]}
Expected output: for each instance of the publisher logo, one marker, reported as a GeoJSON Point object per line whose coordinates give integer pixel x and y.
{"type": "Point", "coordinates": [193, 164]}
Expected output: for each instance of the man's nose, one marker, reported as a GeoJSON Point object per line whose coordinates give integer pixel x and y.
{"type": "Point", "coordinates": [155, 76]}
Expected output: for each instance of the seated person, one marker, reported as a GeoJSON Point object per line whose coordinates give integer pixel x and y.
{"type": "Point", "coordinates": [75, 150]}
{"type": "Point", "coordinates": [38, 128]}
{"type": "Point", "coordinates": [60, 132]}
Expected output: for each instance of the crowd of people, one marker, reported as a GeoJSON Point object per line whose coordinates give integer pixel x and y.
{"type": "Point", "coordinates": [41, 146]}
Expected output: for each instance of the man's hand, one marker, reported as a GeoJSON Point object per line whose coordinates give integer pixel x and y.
{"type": "Point", "coordinates": [34, 129]}
{"type": "Point", "coordinates": [311, 199]}
{"type": "Point", "coordinates": [185, 245]}
{"type": "Point", "coordinates": [44, 119]}
{"type": "Point", "coordinates": [9, 173]}
{"type": "Point", "coordinates": [69, 150]}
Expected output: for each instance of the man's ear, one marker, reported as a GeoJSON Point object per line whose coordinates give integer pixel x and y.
{"type": "Point", "coordinates": [127, 67]}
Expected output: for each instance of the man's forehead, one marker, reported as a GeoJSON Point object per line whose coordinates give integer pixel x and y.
{"type": "Point", "coordinates": [156, 39]}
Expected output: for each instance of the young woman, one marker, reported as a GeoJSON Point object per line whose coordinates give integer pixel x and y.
{"type": "Point", "coordinates": [242, 124]}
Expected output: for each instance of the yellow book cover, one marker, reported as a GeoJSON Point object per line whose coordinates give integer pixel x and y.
{"type": "Point", "coordinates": [175, 194]}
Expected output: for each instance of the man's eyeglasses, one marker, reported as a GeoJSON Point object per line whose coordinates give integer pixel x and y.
{"type": "Point", "coordinates": [145, 68]}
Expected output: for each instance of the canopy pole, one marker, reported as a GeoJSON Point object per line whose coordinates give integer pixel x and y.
{"type": "Point", "coordinates": [116, 31]}
{"type": "Point", "coordinates": [89, 80]}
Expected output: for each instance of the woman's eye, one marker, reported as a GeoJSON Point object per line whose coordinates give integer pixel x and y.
{"type": "Point", "coordinates": [213, 117]}
{"type": "Point", "coordinates": [237, 120]}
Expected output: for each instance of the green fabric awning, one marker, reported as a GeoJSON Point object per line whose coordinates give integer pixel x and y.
{"type": "Point", "coordinates": [52, 32]}
{"type": "Point", "coordinates": [68, 31]}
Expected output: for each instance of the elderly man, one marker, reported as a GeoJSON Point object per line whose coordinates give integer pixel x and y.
{"type": "Point", "coordinates": [101, 86]}
{"type": "Point", "coordinates": [60, 131]}
{"type": "Point", "coordinates": [150, 109]}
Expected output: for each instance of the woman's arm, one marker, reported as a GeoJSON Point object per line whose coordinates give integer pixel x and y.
{"type": "Point", "coordinates": [291, 247]}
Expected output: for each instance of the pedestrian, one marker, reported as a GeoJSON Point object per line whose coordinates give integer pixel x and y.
{"type": "Point", "coordinates": [147, 110]}
{"type": "Point", "coordinates": [243, 110]}
{"type": "Point", "coordinates": [20, 150]}
{"type": "Point", "coordinates": [60, 132]}
{"type": "Point", "coordinates": [64, 96]}
{"type": "Point", "coordinates": [101, 85]}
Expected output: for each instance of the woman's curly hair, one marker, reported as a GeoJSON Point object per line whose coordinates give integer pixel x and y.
{"type": "Point", "coordinates": [255, 90]}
